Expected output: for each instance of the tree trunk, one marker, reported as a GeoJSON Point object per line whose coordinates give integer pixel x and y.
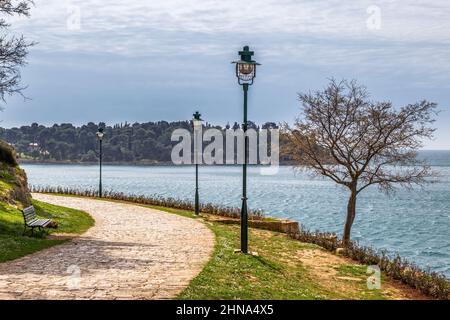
{"type": "Point", "coordinates": [351, 212]}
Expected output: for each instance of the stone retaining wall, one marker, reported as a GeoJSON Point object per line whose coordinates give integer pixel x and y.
{"type": "Point", "coordinates": [284, 226]}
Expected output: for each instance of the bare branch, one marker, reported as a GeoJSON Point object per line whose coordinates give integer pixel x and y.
{"type": "Point", "coordinates": [358, 143]}
{"type": "Point", "coordinates": [13, 49]}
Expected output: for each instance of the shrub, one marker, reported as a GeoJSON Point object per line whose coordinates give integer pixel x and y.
{"type": "Point", "coordinates": [7, 154]}
{"type": "Point", "coordinates": [209, 208]}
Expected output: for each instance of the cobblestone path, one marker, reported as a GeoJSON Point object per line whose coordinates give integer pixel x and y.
{"type": "Point", "coordinates": [131, 253]}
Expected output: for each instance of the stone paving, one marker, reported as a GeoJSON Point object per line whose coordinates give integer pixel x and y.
{"type": "Point", "coordinates": [131, 253]}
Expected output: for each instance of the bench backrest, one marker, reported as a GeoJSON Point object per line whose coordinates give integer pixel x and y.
{"type": "Point", "coordinates": [29, 214]}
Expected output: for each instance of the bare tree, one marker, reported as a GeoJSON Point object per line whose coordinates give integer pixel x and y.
{"type": "Point", "coordinates": [357, 143]}
{"type": "Point", "coordinates": [13, 49]}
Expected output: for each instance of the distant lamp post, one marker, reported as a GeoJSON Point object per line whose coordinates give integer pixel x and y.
{"type": "Point", "coordinates": [100, 136]}
{"type": "Point", "coordinates": [197, 123]}
{"type": "Point", "coordinates": [246, 73]}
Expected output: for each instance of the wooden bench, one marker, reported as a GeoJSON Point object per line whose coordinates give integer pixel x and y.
{"type": "Point", "coordinates": [31, 220]}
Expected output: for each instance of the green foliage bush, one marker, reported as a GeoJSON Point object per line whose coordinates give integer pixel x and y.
{"type": "Point", "coordinates": [208, 208]}
{"type": "Point", "coordinates": [7, 154]}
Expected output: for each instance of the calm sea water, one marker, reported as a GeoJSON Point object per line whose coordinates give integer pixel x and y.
{"type": "Point", "coordinates": [415, 224]}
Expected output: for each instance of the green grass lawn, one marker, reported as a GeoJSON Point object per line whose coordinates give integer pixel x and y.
{"type": "Point", "coordinates": [231, 275]}
{"type": "Point", "coordinates": [276, 273]}
{"type": "Point", "coordinates": [14, 245]}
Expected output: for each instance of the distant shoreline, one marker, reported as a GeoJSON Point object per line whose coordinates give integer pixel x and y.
{"type": "Point", "coordinates": [439, 158]}
{"type": "Point", "coordinates": [121, 163]}
{"type": "Point", "coordinates": [90, 163]}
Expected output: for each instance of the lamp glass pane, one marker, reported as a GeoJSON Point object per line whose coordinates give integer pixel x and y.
{"type": "Point", "coordinates": [246, 68]}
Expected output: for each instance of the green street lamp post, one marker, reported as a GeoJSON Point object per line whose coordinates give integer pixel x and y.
{"type": "Point", "coordinates": [197, 123]}
{"type": "Point", "coordinates": [246, 73]}
{"type": "Point", "coordinates": [100, 136]}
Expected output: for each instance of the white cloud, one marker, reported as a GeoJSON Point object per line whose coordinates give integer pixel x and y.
{"type": "Point", "coordinates": [412, 34]}
{"type": "Point", "coordinates": [115, 24]}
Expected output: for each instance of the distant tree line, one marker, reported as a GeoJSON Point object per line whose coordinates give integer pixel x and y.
{"type": "Point", "coordinates": [125, 142]}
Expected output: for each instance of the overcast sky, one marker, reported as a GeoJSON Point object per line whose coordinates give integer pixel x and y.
{"type": "Point", "coordinates": [136, 60]}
